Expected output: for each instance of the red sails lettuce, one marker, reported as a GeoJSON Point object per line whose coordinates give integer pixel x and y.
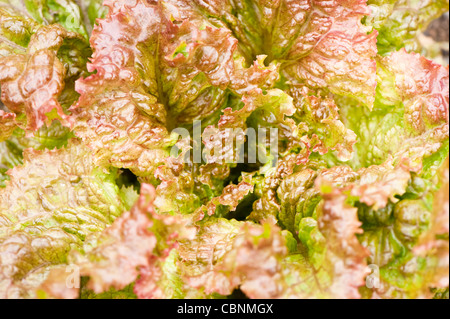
{"type": "Point", "coordinates": [196, 149]}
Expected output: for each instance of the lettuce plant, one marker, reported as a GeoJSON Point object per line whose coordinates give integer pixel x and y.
{"type": "Point", "coordinates": [135, 158]}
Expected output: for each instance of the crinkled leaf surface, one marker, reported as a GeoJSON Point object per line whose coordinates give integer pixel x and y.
{"type": "Point", "coordinates": [165, 71]}
{"type": "Point", "coordinates": [399, 22]}
{"type": "Point", "coordinates": [43, 51]}
{"type": "Point", "coordinates": [345, 200]}
{"type": "Point", "coordinates": [139, 240]}
{"type": "Point", "coordinates": [321, 44]}
{"type": "Point", "coordinates": [12, 149]}
{"type": "Point", "coordinates": [410, 117]}
{"type": "Point", "coordinates": [55, 206]}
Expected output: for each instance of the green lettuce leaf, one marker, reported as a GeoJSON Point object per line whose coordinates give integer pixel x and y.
{"type": "Point", "coordinates": [91, 11]}
{"type": "Point", "coordinates": [410, 115]}
{"type": "Point", "coordinates": [135, 242]}
{"type": "Point", "coordinates": [399, 22]}
{"type": "Point", "coordinates": [321, 126]}
{"type": "Point", "coordinates": [46, 137]}
{"type": "Point", "coordinates": [44, 12]}
{"type": "Point", "coordinates": [48, 207]}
